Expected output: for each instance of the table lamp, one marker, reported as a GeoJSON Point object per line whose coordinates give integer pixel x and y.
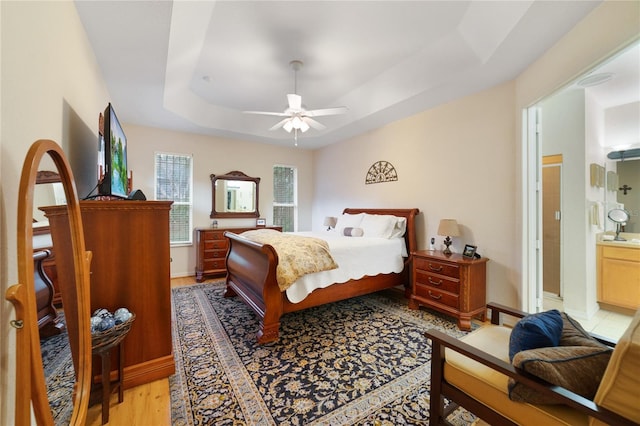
{"type": "Point", "coordinates": [448, 228]}
{"type": "Point", "coordinates": [330, 222]}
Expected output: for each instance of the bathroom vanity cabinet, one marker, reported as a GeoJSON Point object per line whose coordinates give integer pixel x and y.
{"type": "Point", "coordinates": [618, 274]}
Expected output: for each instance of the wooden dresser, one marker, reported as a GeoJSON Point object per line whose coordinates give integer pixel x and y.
{"type": "Point", "coordinates": [130, 268]}
{"type": "Point", "coordinates": [211, 250]}
{"type": "Point", "coordinates": [454, 285]}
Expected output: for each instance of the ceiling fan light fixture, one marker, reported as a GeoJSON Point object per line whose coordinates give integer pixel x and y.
{"type": "Point", "coordinates": [296, 122]}
{"type": "Point", "coordinates": [297, 117]}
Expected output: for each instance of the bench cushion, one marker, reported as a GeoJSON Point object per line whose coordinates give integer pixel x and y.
{"type": "Point", "coordinates": [490, 387]}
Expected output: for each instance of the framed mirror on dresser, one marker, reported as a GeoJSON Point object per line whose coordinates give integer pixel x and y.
{"type": "Point", "coordinates": [234, 195]}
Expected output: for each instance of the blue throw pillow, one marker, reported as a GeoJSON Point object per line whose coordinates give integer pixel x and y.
{"type": "Point", "coordinates": [534, 331]}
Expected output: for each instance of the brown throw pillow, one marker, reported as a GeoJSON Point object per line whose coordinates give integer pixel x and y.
{"type": "Point", "coordinates": [574, 335]}
{"type": "Point", "coordinates": [576, 368]}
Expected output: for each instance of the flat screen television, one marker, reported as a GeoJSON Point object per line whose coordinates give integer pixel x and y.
{"type": "Point", "coordinates": [113, 157]}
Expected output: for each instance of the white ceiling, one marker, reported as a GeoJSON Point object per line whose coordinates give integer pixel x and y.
{"type": "Point", "coordinates": [194, 66]}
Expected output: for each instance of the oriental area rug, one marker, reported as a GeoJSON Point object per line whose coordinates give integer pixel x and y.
{"type": "Point", "coordinates": [59, 376]}
{"type": "Point", "coordinates": [363, 361]}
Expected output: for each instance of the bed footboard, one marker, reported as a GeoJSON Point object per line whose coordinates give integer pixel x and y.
{"type": "Point", "coordinates": [251, 274]}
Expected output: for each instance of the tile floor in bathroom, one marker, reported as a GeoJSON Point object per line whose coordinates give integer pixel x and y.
{"type": "Point", "coordinates": [604, 323]}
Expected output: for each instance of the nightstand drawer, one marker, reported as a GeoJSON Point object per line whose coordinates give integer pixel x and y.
{"type": "Point", "coordinates": [214, 235]}
{"type": "Point", "coordinates": [216, 245]}
{"type": "Point", "coordinates": [431, 294]}
{"type": "Point", "coordinates": [437, 281]}
{"type": "Point", "coordinates": [211, 264]}
{"type": "Point", "coordinates": [442, 268]}
{"type": "Point", "coordinates": [215, 254]}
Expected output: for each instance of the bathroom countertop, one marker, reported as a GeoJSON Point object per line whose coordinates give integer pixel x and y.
{"type": "Point", "coordinates": [632, 240]}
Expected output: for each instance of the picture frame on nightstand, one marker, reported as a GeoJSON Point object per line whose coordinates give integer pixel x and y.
{"type": "Point", "coordinates": [261, 222]}
{"type": "Point", "coordinates": [469, 251]}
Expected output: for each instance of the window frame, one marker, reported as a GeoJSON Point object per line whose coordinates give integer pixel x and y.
{"type": "Point", "coordinates": [189, 241]}
{"type": "Point", "coordinates": [295, 195]}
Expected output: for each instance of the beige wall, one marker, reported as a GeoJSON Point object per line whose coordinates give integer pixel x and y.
{"type": "Point", "coordinates": [51, 84]}
{"type": "Point", "coordinates": [217, 156]}
{"type": "Point", "coordinates": [453, 161]}
{"type": "Point", "coordinates": [460, 160]}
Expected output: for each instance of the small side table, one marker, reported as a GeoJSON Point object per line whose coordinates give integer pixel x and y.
{"type": "Point", "coordinates": [102, 345]}
{"type": "Point", "coordinates": [453, 284]}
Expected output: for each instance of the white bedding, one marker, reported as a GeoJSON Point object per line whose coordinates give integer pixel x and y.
{"type": "Point", "coordinates": [356, 258]}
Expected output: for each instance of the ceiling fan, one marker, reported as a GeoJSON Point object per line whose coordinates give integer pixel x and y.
{"type": "Point", "coordinates": [297, 117]}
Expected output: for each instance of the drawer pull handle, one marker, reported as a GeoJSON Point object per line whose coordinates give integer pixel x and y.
{"type": "Point", "coordinates": [438, 269]}
{"type": "Point", "coordinates": [434, 282]}
{"type": "Point", "coordinates": [435, 296]}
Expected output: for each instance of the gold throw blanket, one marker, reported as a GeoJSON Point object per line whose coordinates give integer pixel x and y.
{"type": "Point", "coordinates": [297, 255]}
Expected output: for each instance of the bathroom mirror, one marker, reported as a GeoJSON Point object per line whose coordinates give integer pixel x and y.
{"type": "Point", "coordinates": [620, 217]}
{"type": "Point", "coordinates": [234, 195]}
{"type": "Point", "coordinates": [628, 192]}
{"type": "Point", "coordinates": [30, 391]}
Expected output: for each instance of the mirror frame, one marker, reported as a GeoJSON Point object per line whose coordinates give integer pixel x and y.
{"type": "Point", "coordinates": [30, 380]}
{"type": "Point", "coordinates": [234, 175]}
{"type": "Point", "coordinates": [620, 216]}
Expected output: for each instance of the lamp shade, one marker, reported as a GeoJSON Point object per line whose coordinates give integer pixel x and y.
{"type": "Point", "coordinates": [448, 228]}
{"type": "Point", "coordinates": [330, 221]}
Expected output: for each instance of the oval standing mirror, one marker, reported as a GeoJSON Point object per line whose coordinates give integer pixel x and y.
{"type": "Point", "coordinates": [26, 297]}
{"type": "Point", "coordinates": [620, 217]}
{"type": "Point", "coordinates": [234, 195]}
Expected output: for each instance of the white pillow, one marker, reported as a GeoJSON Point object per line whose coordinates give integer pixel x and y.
{"type": "Point", "coordinates": [378, 225]}
{"type": "Point", "coordinates": [400, 228]}
{"type": "Point", "coordinates": [348, 221]}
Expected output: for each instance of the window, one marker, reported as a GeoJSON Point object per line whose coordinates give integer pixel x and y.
{"type": "Point", "coordinates": [174, 176]}
{"type": "Point", "coordinates": [285, 197]}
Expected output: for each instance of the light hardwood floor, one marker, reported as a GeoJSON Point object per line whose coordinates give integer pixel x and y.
{"type": "Point", "coordinates": [144, 405]}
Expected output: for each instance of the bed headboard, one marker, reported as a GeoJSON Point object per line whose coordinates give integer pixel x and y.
{"type": "Point", "coordinates": [410, 237]}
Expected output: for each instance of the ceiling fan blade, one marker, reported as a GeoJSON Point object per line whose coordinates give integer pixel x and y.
{"type": "Point", "coordinates": [295, 101]}
{"type": "Point", "coordinates": [313, 123]}
{"type": "Point", "coordinates": [277, 114]}
{"type": "Point", "coordinates": [326, 111]}
{"type": "Point", "coordinates": [280, 124]}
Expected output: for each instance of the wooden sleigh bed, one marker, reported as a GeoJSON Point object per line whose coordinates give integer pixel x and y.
{"type": "Point", "coordinates": [251, 274]}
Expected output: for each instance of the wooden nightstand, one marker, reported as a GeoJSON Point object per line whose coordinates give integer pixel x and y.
{"type": "Point", "coordinates": [454, 285]}
{"type": "Point", "coordinates": [211, 250]}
